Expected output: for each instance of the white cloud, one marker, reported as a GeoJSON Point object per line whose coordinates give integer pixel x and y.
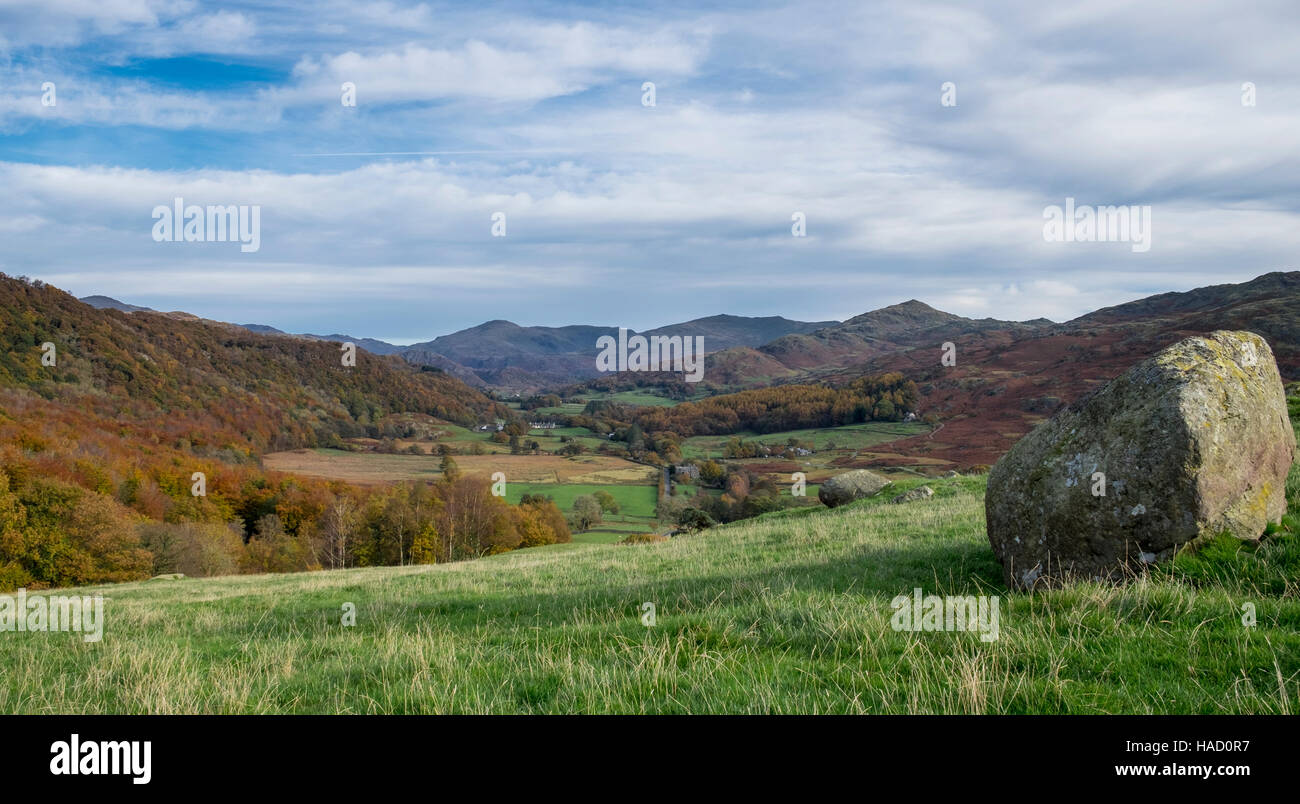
{"type": "Point", "coordinates": [56, 23]}
{"type": "Point", "coordinates": [542, 61]}
{"type": "Point", "coordinates": [224, 31]}
{"type": "Point", "coordinates": [760, 113]}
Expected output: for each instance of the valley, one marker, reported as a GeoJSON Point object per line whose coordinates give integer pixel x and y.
{"type": "Point", "coordinates": [378, 490]}
{"type": "Point", "coordinates": [564, 477]}
{"type": "Point", "coordinates": [409, 358]}
{"type": "Point", "coordinates": [317, 446]}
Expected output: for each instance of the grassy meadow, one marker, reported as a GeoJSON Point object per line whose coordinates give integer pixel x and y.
{"type": "Point", "coordinates": [785, 613]}
{"type": "Point", "coordinates": [846, 438]}
{"type": "Point", "coordinates": [632, 397]}
{"type": "Point", "coordinates": [636, 506]}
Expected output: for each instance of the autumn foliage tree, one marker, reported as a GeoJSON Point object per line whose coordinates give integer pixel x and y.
{"type": "Point", "coordinates": [100, 446]}
{"type": "Point", "coordinates": [886, 397]}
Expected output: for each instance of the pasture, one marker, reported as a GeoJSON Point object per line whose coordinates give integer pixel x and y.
{"type": "Point", "coordinates": [787, 613]}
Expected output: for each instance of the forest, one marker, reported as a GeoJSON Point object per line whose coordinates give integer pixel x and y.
{"type": "Point", "coordinates": [885, 397]}
{"type": "Point", "coordinates": [654, 434]}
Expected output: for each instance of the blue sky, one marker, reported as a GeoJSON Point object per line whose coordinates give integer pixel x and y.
{"type": "Point", "coordinates": [637, 216]}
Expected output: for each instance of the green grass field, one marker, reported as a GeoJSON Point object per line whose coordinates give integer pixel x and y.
{"type": "Point", "coordinates": [642, 398]}
{"type": "Point", "coordinates": [636, 507]}
{"type": "Point", "coordinates": [786, 613]}
{"type": "Point", "coordinates": [567, 409]}
{"type": "Point", "coordinates": [550, 439]}
{"type": "Point", "coordinates": [462, 438]}
{"type": "Point", "coordinates": [636, 397]}
{"type": "Point", "coordinates": [850, 437]}
{"type": "Point", "coordinates": [633, 501]}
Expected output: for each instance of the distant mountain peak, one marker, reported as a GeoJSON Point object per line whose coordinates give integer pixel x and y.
{"type": "Point", "coordinates": [263, 329]}
{"type": "Point", "coordinates": [1276, 277]}
{"type": "Point", "coordinates": [109, 303]}
{"type": "Point", "coordinates": [912, 311]}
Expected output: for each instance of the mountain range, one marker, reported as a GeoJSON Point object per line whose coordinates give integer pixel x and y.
{"type": "Point", "coordinates": [508, 357]}
{"type": "Point", "coordinates": [515, 358]}
{"type": "Point", "coordinates": [1007, 375]}
{"type": "Point", "coordinates": [369, 344]}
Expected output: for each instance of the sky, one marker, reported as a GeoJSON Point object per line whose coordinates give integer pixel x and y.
{"type": "Point", "coordinates": [921, 144]}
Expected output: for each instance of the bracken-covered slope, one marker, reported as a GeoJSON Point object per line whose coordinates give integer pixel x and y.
{"type": "Point", "coordinates": [804, 356]}
{"type": "Point", "coordinates": [1007, 380]}
{"type": "Point", "coordinates": [266, 392]}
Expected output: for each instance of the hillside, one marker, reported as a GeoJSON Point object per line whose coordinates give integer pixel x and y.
{"type": "Point", "coordinates": [1171, 306]}
{"type": "Point", "coordinates": [371, 345]}
{"type": "Point", "coordinates": [889, 329]}
{"type": "Point", "coordinates": [106, 441]}
{"type": "Point", "coordinates": [1005, 381]}
{"type": "Point", "coordinates": [109, 303]}
{"type": "Point", "coordinates": [727, 331]}
{"type": "Point", "coordinates": [788, 613]}
{"type": "Point", "coordinates": [272, 389]}
{"type": "Point", "coordinates": [1009, 375]}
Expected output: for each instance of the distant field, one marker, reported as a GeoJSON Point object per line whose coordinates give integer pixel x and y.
{"type": "Point", "coordinates": [642, 398]}
{"type": "Point", "coordinates": [634, 501]}
{"type": "Point", "coordinates": [464, 441]}
{"type": "Point", "coordinates": [567, 409]}
{"type": "Point", "coordinates": [550, 439]}
{"type": "Point", "coordinates": [639, 397]}
{"type": "Point", "coordinates": [460, 438]}
{"type": "Point", "coordinates": [858, 441]}
{"type": "Point", "coordinates": [636, 487]}
{"type": "Point", "coordinates": [370, 468]}
{"type": "Point", "coordinates": [848, 438]}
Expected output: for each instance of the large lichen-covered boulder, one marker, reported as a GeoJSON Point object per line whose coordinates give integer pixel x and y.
{"type": "Point", "coordinates": [1188, 444]}
{"type": "Point", "coordinates": [851, 486]}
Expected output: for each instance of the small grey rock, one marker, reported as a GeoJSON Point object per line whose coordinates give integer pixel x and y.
{"type": "Point", "coordinates": [851, 486]}
{"type": "Point", "coordinates": [918, 493]}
